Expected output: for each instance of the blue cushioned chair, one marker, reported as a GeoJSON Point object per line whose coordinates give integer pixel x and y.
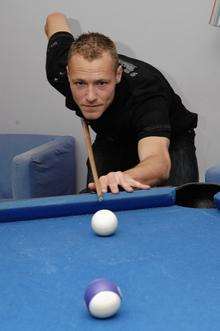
{"type": "Point", "coordinates": [36, 166]}
{"type": "Point", "coordinates": [212, 175]}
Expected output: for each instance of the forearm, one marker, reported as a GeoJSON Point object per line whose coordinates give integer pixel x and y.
{"type": "Point", "coordinates": [56, 22]}
{"type": "Point", "coordinates": [152, 171]}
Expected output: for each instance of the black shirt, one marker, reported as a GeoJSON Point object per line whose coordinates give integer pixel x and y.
{"type": "Point", "coordinates": [144, 104]}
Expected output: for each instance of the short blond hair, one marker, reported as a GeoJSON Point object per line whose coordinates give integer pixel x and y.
{"type": "Point", "coordinates": [92, 45]}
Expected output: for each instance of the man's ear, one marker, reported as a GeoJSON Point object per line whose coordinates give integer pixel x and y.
{"type": "Point", "coordinates": [119, 74]}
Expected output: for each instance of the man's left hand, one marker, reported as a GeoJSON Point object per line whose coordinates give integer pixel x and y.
{"type": "Point", "coordinates": [113, 180]}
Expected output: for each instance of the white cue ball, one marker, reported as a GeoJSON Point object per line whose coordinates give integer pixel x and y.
{"type": "Point", "coordinates": [105, 304]}
{"type": "Point", "coordinates": [104, 222]}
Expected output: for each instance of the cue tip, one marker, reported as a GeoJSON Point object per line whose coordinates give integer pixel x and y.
{"type": "Point", "coordinates": [101, 198]}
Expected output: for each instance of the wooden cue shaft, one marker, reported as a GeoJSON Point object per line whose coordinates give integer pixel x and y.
{"type": "Point", "coordinates": [88, 144]}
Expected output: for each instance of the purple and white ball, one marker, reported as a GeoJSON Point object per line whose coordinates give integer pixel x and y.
{"type": "Point", "coordinates": [104, 222]}
{"type": "Point", "coordinates": [103, 298]}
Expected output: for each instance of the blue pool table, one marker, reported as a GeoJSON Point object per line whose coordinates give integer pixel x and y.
{"type": "Point", "coordinates": [164, 257]}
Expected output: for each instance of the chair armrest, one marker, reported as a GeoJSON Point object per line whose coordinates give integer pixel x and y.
{"type": "Point", "coordinates": [46, 170]}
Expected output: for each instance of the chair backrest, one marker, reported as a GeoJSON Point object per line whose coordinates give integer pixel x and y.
{"type": "Point", "coordinates": [212, 175]}
{"type": "Point", "coordinates": [10, 146]}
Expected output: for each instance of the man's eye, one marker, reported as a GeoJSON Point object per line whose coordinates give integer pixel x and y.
{"type": "Point", "coordinates": [79, 83]}
{"type": "Point", "coordinates": [101, 83]}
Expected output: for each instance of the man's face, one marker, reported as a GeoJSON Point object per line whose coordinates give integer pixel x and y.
{"type": "Point", "coordinates": [93, 83]}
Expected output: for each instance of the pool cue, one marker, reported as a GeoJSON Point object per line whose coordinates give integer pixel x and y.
{"type": "Point", "coordinates": [88, 143]}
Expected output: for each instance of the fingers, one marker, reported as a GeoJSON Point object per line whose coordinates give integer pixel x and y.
{"type": "Point", "coordinates": [114, 180]}
{"type": "Point", "coordinates": [140, 186]}
{"type": "Point", "coordinates": [124, 183]}
{"type": "Point", "coordinates": [103, 183]}
{"type": "Point", "coordinates": [91, 186]}
{"type": "Point", "coordinates": [129, 184]}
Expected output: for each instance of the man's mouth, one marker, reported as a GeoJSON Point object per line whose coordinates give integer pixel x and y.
{"type": "Point", "coordinates": [91, 106]}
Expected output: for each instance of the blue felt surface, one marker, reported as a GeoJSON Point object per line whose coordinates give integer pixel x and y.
{"type": "Point", "coordinates": [165, 260]}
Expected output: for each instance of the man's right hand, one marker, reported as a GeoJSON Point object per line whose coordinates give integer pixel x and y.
{"type": "Point", "coordinates": [56, 22]}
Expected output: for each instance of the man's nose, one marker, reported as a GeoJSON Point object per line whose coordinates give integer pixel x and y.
{"type": "Point", "coordinates": [91, 94]}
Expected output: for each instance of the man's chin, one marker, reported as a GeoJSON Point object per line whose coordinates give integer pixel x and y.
{"type": "Point", "coordinates": [91, 115]}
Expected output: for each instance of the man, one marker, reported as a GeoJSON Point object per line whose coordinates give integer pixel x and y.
{"type": "Point", "coordinates": [145, 136]}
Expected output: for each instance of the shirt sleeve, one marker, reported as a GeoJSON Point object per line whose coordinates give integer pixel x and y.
{"type": "Point", "coordinates": [151, 115]}
{"type": "Point", "coordinates": [56, 61]}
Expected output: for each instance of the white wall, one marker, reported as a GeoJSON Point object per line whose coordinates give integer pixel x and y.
{"type": "Point", "coordinates": [172, 35]}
